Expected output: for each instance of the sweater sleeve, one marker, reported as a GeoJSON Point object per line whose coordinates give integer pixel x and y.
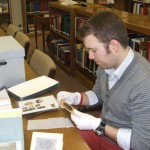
{"type": "Point", "coordinates": [100, 74]}
{"type": "Point", "coordinates": [140, 110]}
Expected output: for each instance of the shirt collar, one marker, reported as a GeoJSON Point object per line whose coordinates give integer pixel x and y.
{"type": "Point", "coordinates": [120, 70]}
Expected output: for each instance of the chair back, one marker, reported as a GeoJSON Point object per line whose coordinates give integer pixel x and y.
{"type": "Point", "coordinates": [42, 64]}
{"type": "Point", "coordinates": [23, 39]}
{"type": "Point", "coordinates": [11, 30]}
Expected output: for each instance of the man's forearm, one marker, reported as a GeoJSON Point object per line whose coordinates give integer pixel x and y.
{"type": "Point", "coordinates": [111, 132]}
{"type": "Point", "coordinates": [120, 136]}
{"type": "Point", "coordinates": [85, 100]}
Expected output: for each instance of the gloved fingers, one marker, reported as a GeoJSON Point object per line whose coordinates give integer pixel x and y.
{"type": "Point", "coordinates": [75, 118]}
{"type": "Point", "coordinates": [62, 96]}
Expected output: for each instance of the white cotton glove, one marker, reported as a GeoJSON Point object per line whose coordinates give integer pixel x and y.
{"type": "Point", "coordinates": [85, 121]}
{"type": "Point", "coordinates": [71, 98]}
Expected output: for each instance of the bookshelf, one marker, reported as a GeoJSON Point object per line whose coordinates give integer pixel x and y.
{"type": "Point", "coordinates": [125, 5]}
{"type": "Point", "coordinates": [64, 31]}
{"type": "Point", "coordinates": [30, 8]}
{"type": "Point", "coordinates": [141, 7]}
{"type": "Point", "coordinates": [57, 33]}
{"type": "Point", "coordinates": [4, 12]}
{"type": "Point", "coordinates": [133, 22]}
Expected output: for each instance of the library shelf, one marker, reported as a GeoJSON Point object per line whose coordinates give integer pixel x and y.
{"type": "Point", "coordinates": [132, 21]}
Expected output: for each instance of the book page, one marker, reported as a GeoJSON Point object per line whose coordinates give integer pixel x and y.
{"type": "Point", "coordinates": [46, 141]}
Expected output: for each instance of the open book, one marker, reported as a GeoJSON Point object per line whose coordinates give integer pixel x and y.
{"type": "Point", "coordinates": [33, 88]}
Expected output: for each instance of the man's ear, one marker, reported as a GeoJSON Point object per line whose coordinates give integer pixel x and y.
{"type": "Point", "coordinates": [114, 46]}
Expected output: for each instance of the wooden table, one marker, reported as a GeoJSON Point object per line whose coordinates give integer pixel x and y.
{"type": "Point", "coordinates": [41, 22]}
{"type": "Point", "coordinates": [71, 138]}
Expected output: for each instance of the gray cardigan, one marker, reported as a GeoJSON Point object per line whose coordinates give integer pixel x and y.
{"type": "Point", "coordinates": [127, 104]}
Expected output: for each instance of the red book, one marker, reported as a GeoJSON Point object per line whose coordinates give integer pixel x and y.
{"type": "Point", "coordinates": [148, 50]}
{"type": "Point", "coordinates": [144, 9]}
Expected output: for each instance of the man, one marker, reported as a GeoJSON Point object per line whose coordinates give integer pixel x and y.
{"type": "Point", "coordinates": [122, 85]}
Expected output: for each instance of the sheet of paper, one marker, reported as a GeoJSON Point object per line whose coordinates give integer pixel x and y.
{"type": "Point", "coordinates": [4, 98]}
{"type": "Point", "coordinates": [15, 145]}
{"type": "Point", "coordinates": [49, 123]}
{"type": "Point", "coordinates": [10, 113]}
{"type": "Point", "coordinates": [46, 141]}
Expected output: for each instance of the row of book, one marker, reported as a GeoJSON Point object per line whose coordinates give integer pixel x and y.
{"type": "Point", "coordinates": [61, 50]}
{"type": "Point", "coordinates": [141, 9]}
{"type": "Point", "coordinates": [82, 58]}
{"type": "Point", "coordinates": [140, 44]}
{"type": "Point", "coordinates": [60, 23]}
{"type": "Point", "coordinates": [37, 6]}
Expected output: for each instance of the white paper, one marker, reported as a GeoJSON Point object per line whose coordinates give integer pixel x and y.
{"type": "Point", "coordinates": [6, 107]}
{"type": "Point", "coordinates": [38, 104]}
{"type": "Point", "coordinates": [4, 98]}
{"type": "Point", "coordinates": [15, 112]}
{"type": "Point", "coordinates": [33, 86]}
{"type": "Point", "coordinates": [14, 145]}
{"type": "Point", "coordinates": [46, 141]}
{"type": "Point", "coordinates": [50, 123]}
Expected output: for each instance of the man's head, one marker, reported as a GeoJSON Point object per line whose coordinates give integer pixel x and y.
{"type": "Point", "coordinates": [104, 35]}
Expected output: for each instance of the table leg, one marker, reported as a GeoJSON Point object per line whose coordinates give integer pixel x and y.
{"type": "Point", "coordinates": [36, 36]}
{"type": "Point", "coordinates": [43, 36]}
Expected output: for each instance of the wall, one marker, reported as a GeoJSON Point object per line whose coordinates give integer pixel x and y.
{"type": "Point", "coordinates": [16, 13]}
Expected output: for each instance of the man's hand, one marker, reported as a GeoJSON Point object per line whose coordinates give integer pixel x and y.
{"type": "Point", "coordinates": [71, 98]}
{"type": "Point", "coordinates": [85, 121]}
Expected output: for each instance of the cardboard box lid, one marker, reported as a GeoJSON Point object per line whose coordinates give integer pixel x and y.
{"type": "Point", "coordinates": [10, 48]}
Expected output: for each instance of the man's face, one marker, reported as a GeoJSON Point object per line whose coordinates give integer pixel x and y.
{"type": "Point", "coordinates": [98, 52]}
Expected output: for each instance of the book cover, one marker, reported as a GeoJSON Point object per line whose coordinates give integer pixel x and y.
{"type": "Point", "coordinates": [53, 45]}
{"type": "Point", "coordinates": [66, 25]}
{"type": "Point", "coordinates": [65, 54]}
{"type": "Point", "coordinates": [40, 104]}
{"type": "Point", "coordinates": [148, 50]}
{"type": "Point", "coordinates": [33, 88]}
{"type": "Point", "coordinates": [58, 48]}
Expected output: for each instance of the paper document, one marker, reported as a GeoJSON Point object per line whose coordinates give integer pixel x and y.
{"type": "Point", "coordinates": [50, 123]}
{"type": "Point", "coordinates": [33, 88]}
{"type": "Point", "coordinates": [46, 141]}
{"type": "Point", "coordinates": [39, 104]}
{"type": "Point", "coordinates": [5, 102]}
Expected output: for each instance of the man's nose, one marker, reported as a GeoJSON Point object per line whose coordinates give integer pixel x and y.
{"type": "Point", "coordinates": [91, 55]}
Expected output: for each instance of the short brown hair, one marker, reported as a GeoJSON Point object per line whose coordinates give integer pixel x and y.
{"type": "Point", "coordinates": [105, 26]}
